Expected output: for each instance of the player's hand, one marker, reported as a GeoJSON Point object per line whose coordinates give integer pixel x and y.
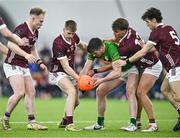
{"type": "Point", "coordinates": [91, 72]}
{"type": "Point", "coordinates": [24, 42]}
{"type": "Point", "coordinates": [98, 81]}
{"type": "Point", "coordinates": [44, 68]}
{"type": "Point", "coordinates": [30, 58]}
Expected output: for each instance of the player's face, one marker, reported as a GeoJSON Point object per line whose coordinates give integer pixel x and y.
{"type": "Point", "coordinates": [38, 21]}
{"type": "Point", "coordinates": [151, 23]}
{"type": "Point", "coordinates": [68, 34]}
{"type": "Point", "coordinates": [118, 34]}
{"type": "Point", "coordinates": [98, 53]}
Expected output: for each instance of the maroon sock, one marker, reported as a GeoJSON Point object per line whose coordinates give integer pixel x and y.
{"type": "Point", "coordinates": [152, 120]}
{"type": "Point", "coordinates": [31, 117]}
{"type": "Point", "coordinates": [69, 119]}
{"type": "Point", "coordinates": [64, 121]}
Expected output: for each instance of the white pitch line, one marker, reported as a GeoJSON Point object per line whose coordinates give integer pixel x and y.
{"type": "Point", "coordinates": [90, 121]}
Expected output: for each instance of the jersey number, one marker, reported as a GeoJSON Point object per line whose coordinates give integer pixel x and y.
{"type": "Point", "coordinates": [174, 36]}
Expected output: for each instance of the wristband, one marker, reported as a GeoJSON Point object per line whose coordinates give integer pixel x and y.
{"type": "Point", "coordinates": [127, 61]}
{"type": "Point", "coordinates": [39, 62]}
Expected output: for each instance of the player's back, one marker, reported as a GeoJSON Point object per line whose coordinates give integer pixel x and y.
{"type": "Point", "coordinates": [168, 44]}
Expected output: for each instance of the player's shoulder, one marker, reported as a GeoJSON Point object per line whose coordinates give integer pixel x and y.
{"type": "Point", "coordinates": [131, 33]}
{"type": "Point", "coordinates": [110, 44]}
{"type": "Point", "coordinates": [21, 26]}
{"type": "Point", "coordinates": [58, 40]}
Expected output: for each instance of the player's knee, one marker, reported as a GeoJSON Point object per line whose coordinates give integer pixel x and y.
{"type": "Point", "coordinates": [19, 95]}
{"type": "Point", "coordinates": [72, 92]}
{"type": "Point", "coordinates": [100, 92]}
{"type": "Point", "coordinates": [140, 93]}
{"type": "Point", "coordinates": [130, 92]}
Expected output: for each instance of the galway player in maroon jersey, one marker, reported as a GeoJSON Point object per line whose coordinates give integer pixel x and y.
{"type": "Point", "coordinates": [16, 68]}
{"type": "Point", "coordinates": [149, 66]}
{"type": "Point", "coordinates": [62, 71]}
{"type": "Point", "coordinates": [165, 39]}
{"type": "Point", "coordinates": [16, 39]}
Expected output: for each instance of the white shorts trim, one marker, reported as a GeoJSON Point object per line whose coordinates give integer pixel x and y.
{"type": "Point", "coordinates": [54, 78]}
{"type": "Point", "coordinates": [155, 70]}
{"type": "Point", "coordinates": [11, 70]}
{"type": "Point", "coordinates": [124, 75]}
{"type": "Point", "coordinates": [173, 77]}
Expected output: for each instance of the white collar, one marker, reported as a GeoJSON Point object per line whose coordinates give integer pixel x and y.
{"type": "Point", "coordinates": [30, 28]}
{"type": "Point", "coordinates": [159, 24]}
{"type": "Point", "coordinates": [65, 39]}
{"type": "Point", "coordinates": [124, 36]}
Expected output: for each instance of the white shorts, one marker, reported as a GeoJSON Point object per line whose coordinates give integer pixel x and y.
{"type": "Point", "coordinates": [11, 70]}
{"type": "Point", "coordinates": [125, 74]}
{"type": "Point", "coordinates": [155, 70]}
{"type": "Point", "coordinates": [173, 74]}
{"type": "Point", "coordinates": [54, 78]}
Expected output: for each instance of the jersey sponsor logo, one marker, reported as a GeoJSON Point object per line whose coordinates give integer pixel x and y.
{"type": "Point", "coordinates": [147, 61]}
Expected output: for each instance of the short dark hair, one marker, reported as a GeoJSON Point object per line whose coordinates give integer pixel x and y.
{"type": "Point", "coordinates": [71, 25]}
{"type": "Point", "coordinates": [120, 24]}
{"type": "Point", "coordinates": [152, 13]}
{"type": "Point", "coordinates": [94, 44]}
{"type": "Point", "coordinates": [36, 11]}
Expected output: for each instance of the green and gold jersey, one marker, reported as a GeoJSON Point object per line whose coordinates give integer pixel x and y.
{"type": "Point", "coordinates": [111, 54]}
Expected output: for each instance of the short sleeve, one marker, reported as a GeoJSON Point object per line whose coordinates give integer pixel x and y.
{"type": "Point", "coordinates": [19, 31]}
{"type": "Point", "coordinates": [59, 50]}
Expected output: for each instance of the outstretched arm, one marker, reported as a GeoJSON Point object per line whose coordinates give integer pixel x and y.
{"type": "Point", "coordinates": [65, 64]}
{"type": "Point", "coordinates": [12, 37]}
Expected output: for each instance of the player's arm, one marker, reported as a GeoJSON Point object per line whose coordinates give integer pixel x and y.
{"type": "Point", "coordinates": [12, 37]}
{"type": "Point", "coordinates": [146, 48]}
{"type": "Point", "coordinates": [65, 64]}
{"type": "Point", "coordinates": [87, 67]}
{"type": "Point", "coordinates": [141, 43]}
{"type": "Point", "coordinates": [38, 60]}
{"type": "Point", "coordinates": [3, 49]}
{"type": "Point", "coordinates": [114, 74]}
{"type": "Point", "coordinates": [104, 68]}
{"type": "Point", "coordinates": [16, 49]}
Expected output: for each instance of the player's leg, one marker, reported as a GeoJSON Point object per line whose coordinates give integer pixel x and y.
{"type": "Point", "coordinates": [13, 73]}
{"type": "Point", "coordinates": [174, 82]}
{"type": "Point", "coordinates": [131, 86]}
{"type": "Point", "coordinates": [29, 104]}
{"type": "Point", "coordinates": [147, 80]}
{"type": "Point", "coordinates": [145, 84]}
{"type": "Point", "coordinates": [139, 110]}
{"type": "Point", "coordinates": [18, 93]}
{"type": "Point", "coordinates": [69, 89]}
{"type": "Point", "coordinates": [101, 92]}
{"type": "Point", "coordinates": [169, 94]}
{"type": "Point", "coordinates": [63, 122]}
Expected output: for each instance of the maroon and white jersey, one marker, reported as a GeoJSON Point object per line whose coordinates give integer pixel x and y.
{"type": "Point", "coordinates": [61, 49]}
{"type": "Point", "coordinates": [166, 41]}
{"type": "Point", "coordinates": [22, 30]}
{"type": "Point", "coordinates": [2, 24]}
{"type": "Point", "coordinates": [129, 45]}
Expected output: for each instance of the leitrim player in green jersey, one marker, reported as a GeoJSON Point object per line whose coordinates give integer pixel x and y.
{"type": "Point", "coordinates": [108, 53]}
